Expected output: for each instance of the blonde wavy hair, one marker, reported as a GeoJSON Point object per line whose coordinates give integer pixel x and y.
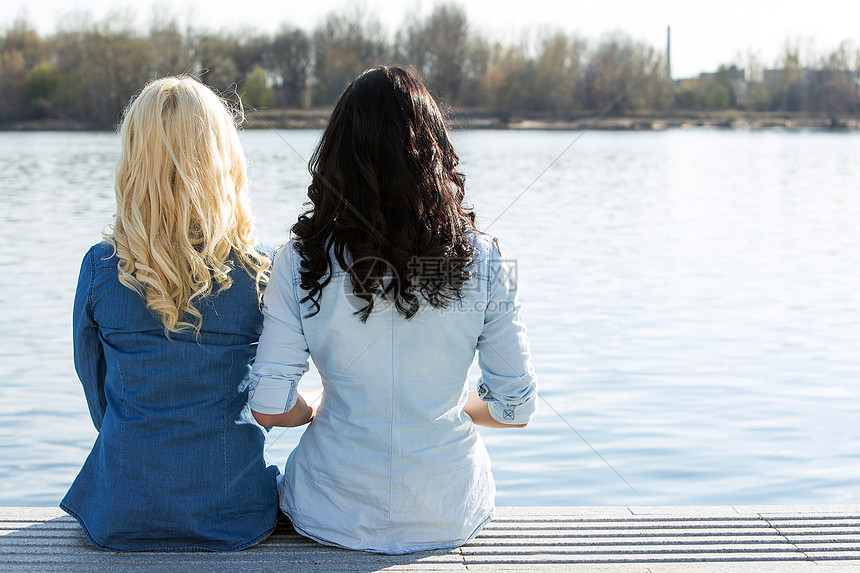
{"type": "Point", "coordinates": [182, 211]}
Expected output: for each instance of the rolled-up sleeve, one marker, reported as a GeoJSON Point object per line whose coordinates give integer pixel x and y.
{"type": "Point", "coordinates": [88, 352]}
{"type": "Point", "coordinates": [508, 381]}
{"type": "Point", "coordinates": [282, 354]}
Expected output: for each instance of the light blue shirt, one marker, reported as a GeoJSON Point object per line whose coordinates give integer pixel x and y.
{"type": "Point", "coordinates": [392, 463]}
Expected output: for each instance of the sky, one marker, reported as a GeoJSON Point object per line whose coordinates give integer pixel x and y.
{"type": "Point", "coordinates": [704, 34]}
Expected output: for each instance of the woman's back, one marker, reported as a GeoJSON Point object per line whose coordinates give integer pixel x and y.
{"type": "Point", "coordinates": [392, 463]}
{"type": "Point", "coordinates": [390, 288]}
{"type": "Point", "coordinates": [165, 324]}
{"type": "Point", "coordinates": [177, 463]}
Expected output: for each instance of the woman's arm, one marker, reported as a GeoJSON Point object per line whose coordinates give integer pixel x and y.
{"type": "Point", "coordinates": [299, 415]}
{"type": "Point", "coordinates": [88, 351]}
{"type": "Point", "coordinates": [479, 411]}
{"type": "Point", "coordinates": [508, 386]}
{"type": "Point", "coordinates": [282, 354]}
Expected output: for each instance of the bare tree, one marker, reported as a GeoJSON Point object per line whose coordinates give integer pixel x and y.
{"type": "Point", "coordinates": [438, 47]}
{"type": "Point", "coordinates": [833, 87]}
{"type": "Point", "coordinates": [788, 89]}
{"type": "Point", "coordinates": [291, 66]}
{"type": "Point", "coordinates": [628, 76]}
{"type": "Point", "coordinates": [102, 63]}
{"type": "Point", "coordinates": [558, 79]}
{"type": "Point", "coordinates": [344, 46]}
{"type": "Point", "coordinates": [171, 52]}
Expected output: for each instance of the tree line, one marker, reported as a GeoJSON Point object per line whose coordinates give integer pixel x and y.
{"type": "Point", "coordinates": [86, 71]}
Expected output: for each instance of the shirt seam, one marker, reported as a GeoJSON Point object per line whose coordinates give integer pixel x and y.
{"type": "Point", "coordinates": [92, 280]}
{"type": "Point", "coordinates": [224, 424]}
{"type": "Point", "coordinates": [295, 286]}
{"type": "Point", "coordinates": [295, 275]}
{"type": "Point", "coordinates": [391, 430]}
{"type": "Point", "coordinates": [489, 279]}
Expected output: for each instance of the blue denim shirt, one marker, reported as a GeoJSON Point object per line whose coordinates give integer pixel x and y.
{"type": "Point", "coordinates": [392, 463]}
{"type": "Point", "coordinates": [178, 462]}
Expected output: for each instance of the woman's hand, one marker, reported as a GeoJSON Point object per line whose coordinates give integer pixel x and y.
{"type": "Point", "coordinates": [479, 411]}
{"type": "Point", "coordinates": [303, 412]}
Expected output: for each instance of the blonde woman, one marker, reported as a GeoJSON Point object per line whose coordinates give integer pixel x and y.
{"type": "Point", "coordinates": [166, 319]}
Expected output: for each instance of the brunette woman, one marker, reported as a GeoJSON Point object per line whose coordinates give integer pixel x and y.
{"type": "Point", "coordinates": [390, 289]}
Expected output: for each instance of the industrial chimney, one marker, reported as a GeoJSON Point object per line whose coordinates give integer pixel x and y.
{"type": "Point", "coordinates": [669, 51]}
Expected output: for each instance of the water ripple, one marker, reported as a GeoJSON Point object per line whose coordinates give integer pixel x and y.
{"type": "Point", "coordinates": [693, 302]}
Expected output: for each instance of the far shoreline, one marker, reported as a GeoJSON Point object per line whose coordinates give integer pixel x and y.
{"type": "Point", "coordinates": [479, 119]}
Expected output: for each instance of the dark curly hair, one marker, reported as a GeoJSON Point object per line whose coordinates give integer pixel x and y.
{"type": "Point", "coordinates": [386, 191]}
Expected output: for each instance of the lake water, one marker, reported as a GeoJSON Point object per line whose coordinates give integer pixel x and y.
{"type": "Point", "coordinates": [692, 298]}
